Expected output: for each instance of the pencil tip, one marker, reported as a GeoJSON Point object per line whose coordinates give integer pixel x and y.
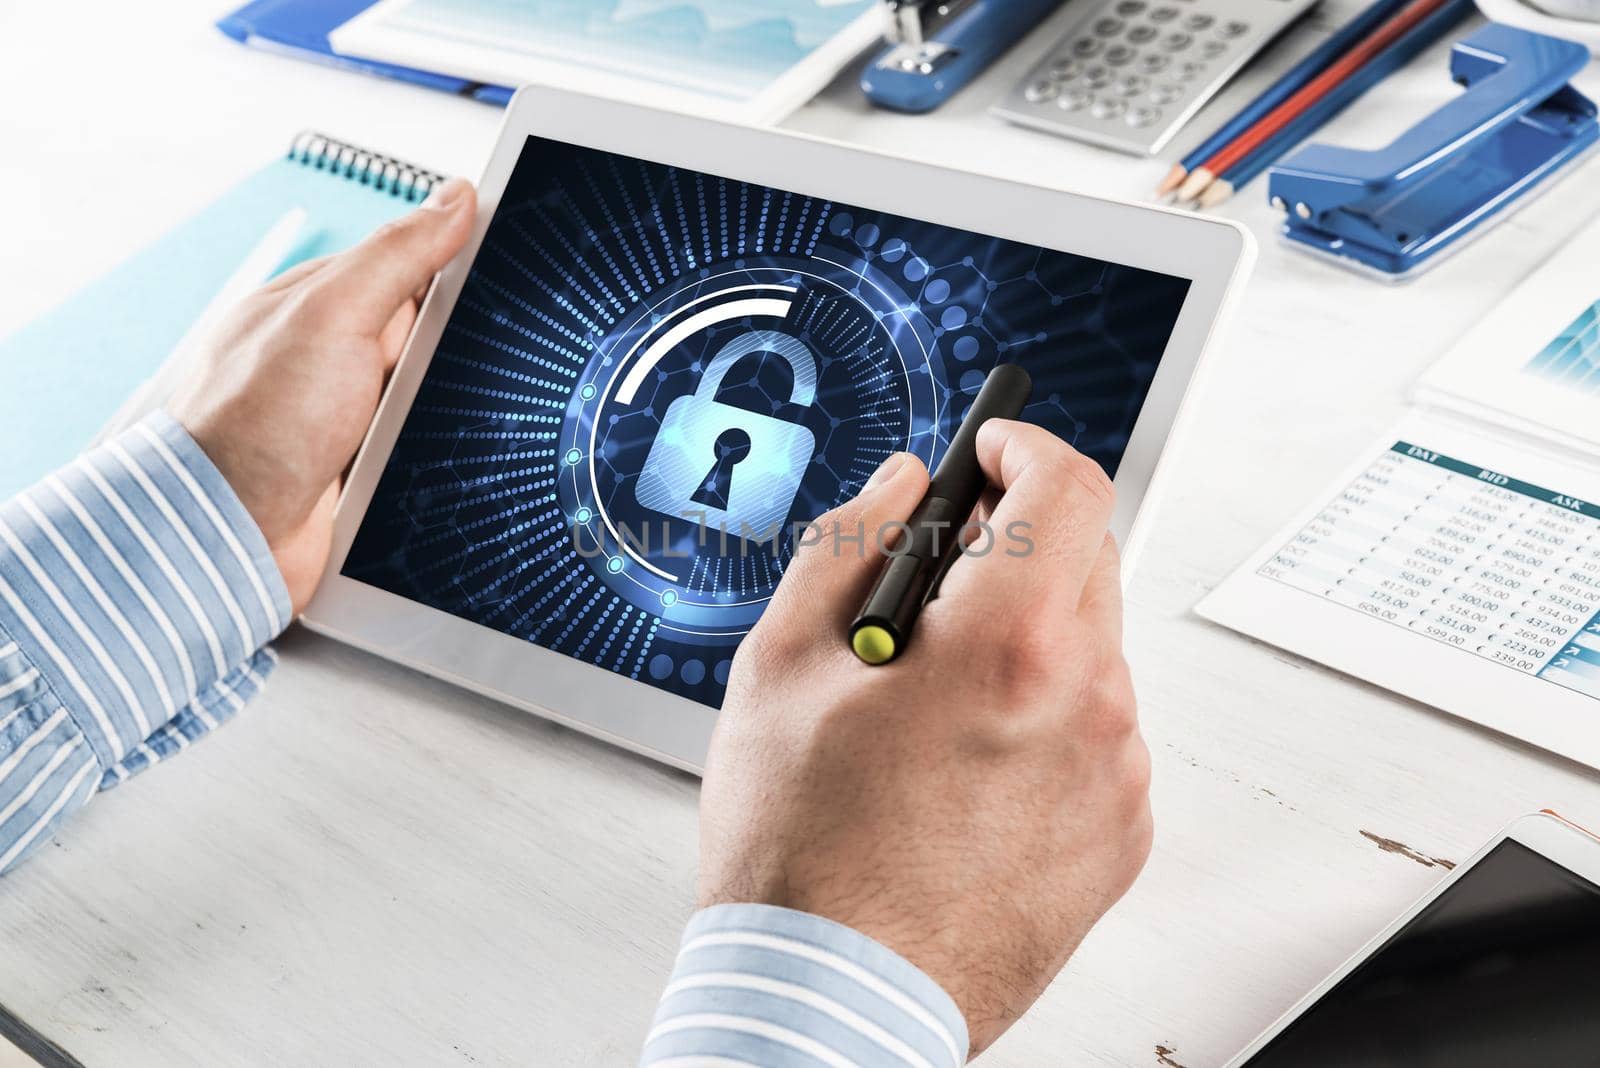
{"type": "Point", "coordinates": [1216, 193]}
{"type": "Point", "coordinates": [1173, 180]}
{"type": "Point", "coordinates": [1195, 184]}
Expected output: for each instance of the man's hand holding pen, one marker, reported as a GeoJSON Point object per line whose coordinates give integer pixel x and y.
{"type": "Point", "coordinates": [977, 803]}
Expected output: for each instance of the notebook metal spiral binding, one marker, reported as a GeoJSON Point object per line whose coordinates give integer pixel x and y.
{"type": "Point", "coordinates": [397, 177]}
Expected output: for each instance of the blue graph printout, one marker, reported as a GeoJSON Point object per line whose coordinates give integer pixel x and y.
{"type": "Point", "coordinates": [727, 48]}
{"type": "Point", "coordinates": [1572, 358]}
{"type": "Point", "coordinates": [646, 364]}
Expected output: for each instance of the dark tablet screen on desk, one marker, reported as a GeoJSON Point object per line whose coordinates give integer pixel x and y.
{"type": "Point", "coordinates": [1502, 969]}
{"type": "Point", "coordinates": [619, 308]}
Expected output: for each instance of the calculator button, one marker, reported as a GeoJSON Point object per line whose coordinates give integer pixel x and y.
{"type": "Point", "coordinates": [1198, 22]}
{"type": "Point", "coordinates": [1108, 27]}
{"type": "Point", "coordinates": [1119, 55]}
{"type": "Point", "coordinates": [1107, 109]}
{"type": "Point", "coordinates": [1213, 49]}
{"type": "Point", "coordinates": [1166, 93]}
{"type": "Point", "coordinates": [1153, 62]}
{"type": "Point", "coordinates": [1163, 14]}
{"type": "Point", "coordinates": [1191, 70]}
{"type": "Point", "coordinates": [1141, 33]}
{"type": "Point", "coordinates": [1040, 91]}
{"type": "Point", "coordinates": [1142, 117]}
{"type": "Point", "coordinates": [1235, 28]}
{"type": "Point", "coordinates": [1176, 42]}
{"type": "Point", "coordinates": [1131, 85]}
{"type": "Point", "coordinates": [1065, 69]}
{"type": "Point", "coordinates": [1084, 47]}
{"type": "Point", "coordinates": [1073, 99]}
{"type": "Point", "coordinates": [1129, 8]}
{"type": "Point", "coordinates": [1095, 77]}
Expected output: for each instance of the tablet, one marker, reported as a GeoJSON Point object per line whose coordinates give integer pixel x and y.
{"type": "Point", "coordinates": [1495, 966]}
{"type": "Point", "coordinates": [643, 289]}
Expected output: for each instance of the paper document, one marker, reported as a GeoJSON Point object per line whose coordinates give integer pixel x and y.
{"type": "Point", "coordinates": [1533, 363]}
{"type": "Point", "coordinates": [740, 60]}
{"type": "Point", "coordinates": [1457, 561]}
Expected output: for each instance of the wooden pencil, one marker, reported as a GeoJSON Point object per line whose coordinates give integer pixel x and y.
{"type": "Point", "coordinates": [1324, 83]}
{"type": "Point", "coordinates": [1302, 72]}
{"type": "Point", "coordinates": [1303, 125]}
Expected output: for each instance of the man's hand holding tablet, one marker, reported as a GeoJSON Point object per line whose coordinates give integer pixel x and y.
{"type": "Point", "coordinates": [293, 376]}
{"type": "Point", "coordinates": [668, 343]}
{"type": "Point", "coordinates": [975, 805]}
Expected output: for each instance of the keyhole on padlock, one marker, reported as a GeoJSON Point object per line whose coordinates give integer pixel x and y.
{"type": "Point", "coordinates": [732, 445]}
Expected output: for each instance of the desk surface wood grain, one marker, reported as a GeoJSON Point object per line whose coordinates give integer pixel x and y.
{"type": "Point", "coordinates": [370, 867]}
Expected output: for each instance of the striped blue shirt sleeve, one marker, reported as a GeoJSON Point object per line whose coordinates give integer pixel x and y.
{"type": "Point", "coordinates": [136, 598]}
{"type": "Point", "coordinates": [763, 986]}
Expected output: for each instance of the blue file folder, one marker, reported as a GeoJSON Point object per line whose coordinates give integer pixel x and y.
{"type": "Point", "coordinates": [301, 28]}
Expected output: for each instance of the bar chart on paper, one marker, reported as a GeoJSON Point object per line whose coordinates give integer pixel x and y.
{"type": "Point", "coordinates": [1470, 557]}
{"type": "Point", "coordinates": [1572, 358]}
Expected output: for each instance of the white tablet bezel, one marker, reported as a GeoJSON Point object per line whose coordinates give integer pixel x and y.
{"type": "Point", "coordinates": [1213, 254]}
{"type": "Point", "coordinates": [1547, 834]}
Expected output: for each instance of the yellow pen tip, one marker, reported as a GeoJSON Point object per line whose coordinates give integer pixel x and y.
{"type": "Point", "coordinates": [873, 644]}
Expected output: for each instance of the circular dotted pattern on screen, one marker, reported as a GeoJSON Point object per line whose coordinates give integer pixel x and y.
{"type": "Point", "coordinates": [875, 386]}
{"type": "Point", "coordinates": [516, 472]}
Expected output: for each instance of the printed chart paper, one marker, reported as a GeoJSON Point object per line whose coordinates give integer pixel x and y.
{"type": "Point", "coordinates": [744, 60]}
{"type": "Point", "coordinates": [1458, 560]}
{"type": "Point", "coordinates": [1532, 364]}
{"type": "Point", "coordinates": [1449, 566]}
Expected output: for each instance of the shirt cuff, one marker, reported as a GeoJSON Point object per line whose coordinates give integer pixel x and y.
{"type": "Point", "coordinates": [46, 770]}
{"type": "Point", "coordinates": [135, 583]}
{"type": "Point", "coordinates": [761, 985]}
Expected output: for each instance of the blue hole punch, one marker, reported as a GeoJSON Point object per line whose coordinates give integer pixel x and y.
{"type": "Point", "coordinates": [1394, 210]}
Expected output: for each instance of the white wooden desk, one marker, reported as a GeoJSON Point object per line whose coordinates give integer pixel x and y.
{"type": "Point", "coordinates": [374, 868]}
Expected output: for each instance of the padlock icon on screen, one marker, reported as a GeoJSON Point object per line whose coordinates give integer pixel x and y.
{"type": "Point", "coordinates": [738, 469]}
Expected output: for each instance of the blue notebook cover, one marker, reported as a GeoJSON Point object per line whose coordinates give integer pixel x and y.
{"type": "Point", "coordinates": [70, 371]}
{"type": "Point", "coordinates": [301, 28]}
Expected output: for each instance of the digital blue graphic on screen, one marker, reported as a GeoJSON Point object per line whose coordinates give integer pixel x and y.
{"type": "Point", "coordinates": [652, 373]}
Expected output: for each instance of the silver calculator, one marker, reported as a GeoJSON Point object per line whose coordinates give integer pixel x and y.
{"type": "Point", "coordinates": [1130, 73]}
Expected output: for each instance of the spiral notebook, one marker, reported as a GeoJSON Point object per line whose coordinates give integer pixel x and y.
{"type": "Point", "coordinates": [68, 373]}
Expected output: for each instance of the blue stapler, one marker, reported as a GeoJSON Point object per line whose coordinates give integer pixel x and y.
{"type": "Point", "coordinates": [1395, 209]}
{"type": "Point", "coordinates": [937, 46]}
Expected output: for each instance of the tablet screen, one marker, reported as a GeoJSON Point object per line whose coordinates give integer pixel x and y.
{"type": "Point", "coordinates": [1500, 969]}
{"type": "Point", "coordinates": [652, 374]}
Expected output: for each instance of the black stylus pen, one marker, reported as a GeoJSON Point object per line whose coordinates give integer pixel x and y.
{"type": "Point", "coordinates": [884, 624]}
